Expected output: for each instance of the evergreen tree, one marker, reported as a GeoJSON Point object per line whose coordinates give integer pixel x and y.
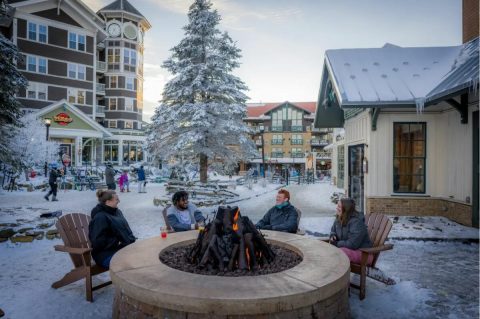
{"type": "Point", "coordinates": [11, 80]}
{"type": "Point", "coordinates": [203, 106]}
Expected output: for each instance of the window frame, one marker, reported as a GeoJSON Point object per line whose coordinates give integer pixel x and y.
{"type": "Point", "coordinates": [411, 157]}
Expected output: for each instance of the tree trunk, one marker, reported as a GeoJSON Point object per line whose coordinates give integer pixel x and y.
{"type": "Point", "coordinates": [203, 168]}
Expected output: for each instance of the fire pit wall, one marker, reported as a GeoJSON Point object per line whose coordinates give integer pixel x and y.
{"type": "Point", "coordinates": [146, 288]}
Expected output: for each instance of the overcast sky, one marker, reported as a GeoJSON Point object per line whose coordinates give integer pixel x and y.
{"type": "Point", "coordinates": [283, 41]}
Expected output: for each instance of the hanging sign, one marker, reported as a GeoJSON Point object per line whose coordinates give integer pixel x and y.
{"type": "Point", "coordinates": [62, 119]}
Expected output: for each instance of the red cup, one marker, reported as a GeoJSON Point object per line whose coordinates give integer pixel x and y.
{"type": "Point", "coordinates": [163, 232]}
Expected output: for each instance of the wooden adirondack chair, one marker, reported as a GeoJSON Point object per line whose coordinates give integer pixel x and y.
{"type": "Point", "coordinates": [167, 224]}
{"type": "Point", "coordinates": [379, 226]}
{"type": "Point", "coordinates": [299, 231]}
{"type": "Point", "coordinates": [73, 229]}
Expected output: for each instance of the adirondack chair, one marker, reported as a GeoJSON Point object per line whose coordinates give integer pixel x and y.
{"type": "Point", "coordinates": [73, 229]}
{"type": "Point", "coordinates": [299, 231]}
{"type": "Point", "coordinates": [379, 227]}
{"type": "Point", "coordinates": [165, 218]}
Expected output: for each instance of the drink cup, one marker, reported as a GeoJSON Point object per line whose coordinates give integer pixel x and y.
{"type": "Point", "coordinates": [163, 232]}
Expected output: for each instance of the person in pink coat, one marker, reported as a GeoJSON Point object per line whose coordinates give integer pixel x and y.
{"type": "Point", "coordinates": [123, 182]}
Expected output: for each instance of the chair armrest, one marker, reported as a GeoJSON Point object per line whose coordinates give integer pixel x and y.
{"type": "Point", "coordinates": [325, 239]}
{"type": "Point", "coordinates": [377, 249]}
{"type": "Point", "coordinates": [72, 250]}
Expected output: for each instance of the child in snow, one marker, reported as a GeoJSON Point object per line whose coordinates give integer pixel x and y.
{"type": "Point", "coordinates": [124, 181]}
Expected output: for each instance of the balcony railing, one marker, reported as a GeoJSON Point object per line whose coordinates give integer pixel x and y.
{"type": "Point", "coordinates": [101, 66]}
{"type": "Point", "coordinates": [298, 155]}
{"type": "Point", "coordinates": [296, 142]}
{"type": "Point", "coordinates": [277, 142]}
{"type": "Point", "coordinates": [324, 155]}
{"type": "Point", "coordinates": [322, 130]}
{"type": "Point", "coordinates": [276, 154]}
{"type": "Point", "coordinates": [100, 88]}
{"type": "Point", "coordinates": [100, 111]}
{"type": "Point", "coordinates": [296, 128]}
{"type": "Point", "coordinates": [277, 128]}
{"type": "Point", "coordinates": [319, 142]}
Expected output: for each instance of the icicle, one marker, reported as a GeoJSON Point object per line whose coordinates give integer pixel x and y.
{"type": "Point", "coordinates": [420, 104]}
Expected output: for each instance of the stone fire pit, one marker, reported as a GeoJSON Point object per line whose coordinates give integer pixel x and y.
{"type": "Point", "coordinates": [146, 288]}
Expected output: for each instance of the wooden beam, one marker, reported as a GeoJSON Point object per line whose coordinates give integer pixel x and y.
{"type": "Point", "coordinates": [461, 107]}
{"type": "Point", "coordinates": [374, 114]}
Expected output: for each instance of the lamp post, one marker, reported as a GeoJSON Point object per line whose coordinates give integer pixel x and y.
{"type": "Point", "coordinates": [262, 130]}
{"type": "Point", "coordinates": [47, 124]}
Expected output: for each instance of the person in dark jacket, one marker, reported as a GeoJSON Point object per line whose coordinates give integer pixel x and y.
{"type": "Point", "coordinates": [349, 232]}
{"type": "Point", "coordinates": [52, 181]}
{"type": "Point", "coordinates": [108, 230]}
{"type": "Point", "coordinates": [183, 215]}
{"type": "Point", "coordinates": [281, 217]}
{"type": "Point", "coordinates": [141, 180]}
{"type": "Point", "coordinates": [110, 177]}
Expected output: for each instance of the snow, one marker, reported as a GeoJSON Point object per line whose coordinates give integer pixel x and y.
{"type": "Point", "coordinates": [434, 279]}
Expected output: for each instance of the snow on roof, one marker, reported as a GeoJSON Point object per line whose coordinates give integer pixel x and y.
{"type": "Point", "coordinates": [259, 109]}
{"type": "Point", "coordinates": [395, 75]}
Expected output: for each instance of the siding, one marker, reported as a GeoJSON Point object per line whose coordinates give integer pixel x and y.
{"type": "Point", "coordinates": [57, 68]}
{"type": "Point", "coordinates": [57, 36]}
{"type": "Point", "coordinates": [21, 28]}
{"type": "Point", "coordinates": [58, 81]}
{"type": "Point", "coordinates": [56, 93]}
{"type": "Point", "coordinates": [51, 14]}
{"type": "Point", "coordinates": [55, 53]}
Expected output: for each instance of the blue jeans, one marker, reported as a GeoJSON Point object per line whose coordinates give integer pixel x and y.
{"type": "Point", "coordinates": [106, 262]}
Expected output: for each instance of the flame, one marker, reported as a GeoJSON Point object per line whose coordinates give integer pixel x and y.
{"type": "Point", "coordinates": [235, 218]}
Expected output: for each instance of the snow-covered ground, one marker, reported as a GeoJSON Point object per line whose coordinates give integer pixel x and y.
{"type": "Point", "coordinates": [435, 279]}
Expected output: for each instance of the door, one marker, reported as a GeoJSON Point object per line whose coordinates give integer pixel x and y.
{"type": "Point", "coordinates": [356, 154]}
{"type": "Point", "coordinates": [476, 168]}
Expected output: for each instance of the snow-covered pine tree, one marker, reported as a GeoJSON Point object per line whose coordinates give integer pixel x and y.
{"type": "Point", "coordinates": [203, 106]}
{"type": "Point", "coordinates": [28, 146]}
{"type": "Point", "coordinates": [11, 80]}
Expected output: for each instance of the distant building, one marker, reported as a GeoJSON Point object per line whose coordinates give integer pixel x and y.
{"type": "Point", "coordinates": [289, 139]}
{"type": "Point", "coordinates": [411, 126]}
{"type": "Point", "coordinates": [85, 73]}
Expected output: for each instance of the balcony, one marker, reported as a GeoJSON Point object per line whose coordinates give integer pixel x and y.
{"type": "Point", "coordinates": [296, 142]}
{"type": "Point", "coordinates": [319, 142]}
{"type": "Point", "coordinates": [101, 66]}
{"type": "Point", "coordinates": [298, 155]}
{"type": "Point", "coordinates": [277, 142]}
{"type": "Point", "coordinates": [258, 142]}
{"type": "Point", "coordinates": [322, 130]}
{"type": "Point", "coordinates": [324, 155]}
{"type": "Point", "coordinates": [296, 128]}
{"type": "Point", "coordinates": [277, 128]}
{"type": "Point", "coordinates": [276, 154]}
{"type": "Point", "coordinates": [100, 88]}
{"type": "Point", "coordinates": [100, 111]}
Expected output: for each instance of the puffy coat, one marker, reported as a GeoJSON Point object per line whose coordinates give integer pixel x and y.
{"type": "Point", "coordinates": [108, 232]}
{"type": "Point", "coordinates": [353, 235]}
{"type": "Point", "coordinates": [281, 219]}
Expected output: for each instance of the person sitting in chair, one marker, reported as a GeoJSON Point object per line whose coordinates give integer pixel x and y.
{"type": "Point", "coordinates": [183, 215]}
{"type": "Point", "coordinates": [108, 230]}
{"type": "Point", "coordinates": [349, 232]}
{"type": "Point", "coordinates": [281, 217]}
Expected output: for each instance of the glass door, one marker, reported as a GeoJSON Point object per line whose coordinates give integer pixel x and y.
{"type": "Point", "coordinates": [356, 154]}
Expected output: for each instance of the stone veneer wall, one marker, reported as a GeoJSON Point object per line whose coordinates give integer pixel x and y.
{"type": "Point", "coordinates": [421, 206]}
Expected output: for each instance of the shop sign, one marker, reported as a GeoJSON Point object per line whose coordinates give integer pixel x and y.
{"type": "Point", "coordinates": [62, 119]}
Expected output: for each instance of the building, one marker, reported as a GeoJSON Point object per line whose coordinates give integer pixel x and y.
{"type": "Point", "coordinates": [85, 73]}
{"type": "Point", "coordinates": [285, 130]}
{"type": "Point", "coordinates": [411, 127]}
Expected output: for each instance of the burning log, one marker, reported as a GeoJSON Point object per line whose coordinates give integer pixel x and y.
{"type": "Point", "coordinates": [231, 242]}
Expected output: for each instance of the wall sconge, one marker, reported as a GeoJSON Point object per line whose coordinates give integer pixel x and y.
{"type": "Point", "coordinates": [365, 165]}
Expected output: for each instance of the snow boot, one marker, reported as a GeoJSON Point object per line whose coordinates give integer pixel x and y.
{"type": "Point", "coordinates": [54, 199]}
{"type": "Point", "coordinates": [46, 197]}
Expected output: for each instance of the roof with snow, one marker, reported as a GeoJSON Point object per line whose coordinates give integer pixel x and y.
{"type": "Point", "coordinates": [260, 109]}
{"type": "Point", "coordinates": [405, 76]}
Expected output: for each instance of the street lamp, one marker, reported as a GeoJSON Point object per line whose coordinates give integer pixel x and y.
{"type": "Point", "coordinates": [262, 130]}
{"type": "Point", "coordinates": [47, 122]}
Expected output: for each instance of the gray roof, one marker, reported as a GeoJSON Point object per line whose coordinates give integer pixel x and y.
{"type": "Point", "coordinates": [464, 73]}
{"type": "Point", "coordinates": [122, 5]}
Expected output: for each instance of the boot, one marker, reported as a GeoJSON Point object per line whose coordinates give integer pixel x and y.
{"type": "Point", "coordinates": [54, 198]}
{"type": "Point", "coordinates": [46, 197]}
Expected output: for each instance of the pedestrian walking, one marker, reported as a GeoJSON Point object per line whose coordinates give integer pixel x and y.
{"type": "Point", "coordinates": [110, 177]}
{"type": "Point", "coordinates": [52, 181]}
{"type": "Point", "coordinates": [123, 182]}
{"type": "Point", "coordinates": [141, 180]}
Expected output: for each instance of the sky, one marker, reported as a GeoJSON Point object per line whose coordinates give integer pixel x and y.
{"type": "Point", "coordinates": [283, 42]}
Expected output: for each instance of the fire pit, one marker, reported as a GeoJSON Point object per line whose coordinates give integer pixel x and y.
{"type": "Point", "coordinates": [147, 288]}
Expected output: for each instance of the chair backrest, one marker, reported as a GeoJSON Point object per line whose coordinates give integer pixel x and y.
{"type": "Point", "coordinates": [73, 229]}
{"type": "Point", "coordinates": [299, 213]}
{"type": "Point", "coordinates": [165, 218]}
{"type": "Point", "coordinates": [379, 226]}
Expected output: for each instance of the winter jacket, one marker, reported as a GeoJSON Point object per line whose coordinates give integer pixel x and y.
{"type": "Point", "coordinates": [280, 219]}
{"type": "Point", "coordinates": [176, 222]}
{"type": "Point", "coordinates": [108, 232]}
{"type": "Point", "coordinates": [110, 175]}
{"type": "Point", "coordinates": [141, 174]}
{"type": "Point", "coordinates": [52, 179]}
{"type": "Point", "coordinates": [353, 235]}
{"type": "Point", "coordinates": [123, 179]}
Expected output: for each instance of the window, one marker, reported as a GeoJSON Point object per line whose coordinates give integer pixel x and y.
{"type": "Point", "coordinates": [129, 104]}
{"type": "Point", "coordinates": [113, 82]}
{"type": "Point", "coordinates": [129, 60]}
{"type": "Point", "coordinates": [277, 152]}
{"type": "Point", "coordinates": [42, 33]}
{"type": "Point", "coordinates": [37, 32]}
{"type": "Point", "coordinates": [80, 97]}
{"type": "Point", "coordinates": [129, 124]}
{"type": "Point", "coordinates": [296, 139]}
{"type": "Point", "coordinates": [112, 124]}
{"type": "Point", "coordinates": [71, 94]}
{"type": "Point", "coordinates": [82, 69]}
{"type": "Point", "coordinates": [110, 147]}
{"type": "Point", "coordinates": [76, 96]}
{"type": "Point", "coordinates": [32, 31]}
{"type": "Point", "coordinates": [38, 65]}
{"type": "Point", "coordinates": [341, 166]}
{"type": "Point", "coordinates": [72, 70]}
{"type": "Point", "coordinates": [76, 71]}
{"type": "Point", "coordinates": [409, 157]}
{"type": "Point", "coordinates": [129, 83]}
{"type": "Point", "coordinates": [76, 41]}
{"type": "Point", "coordinates": [32, 64]}
{"type": "Point", "coordinates": [277, 139]}
{"type": "Point", "coordinates": [113, 58]}
{"type": "Point", "coordinates": [112, 104]}
{"type": "Point", "coordinates": [42, 65]}
{"type": "Point", "coordinates": [297, 152]}
{"type": "Point", "coordinates": [37, 91]}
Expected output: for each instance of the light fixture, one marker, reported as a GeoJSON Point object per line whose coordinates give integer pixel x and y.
{"type": "Point", "coordinates": [47, 121]}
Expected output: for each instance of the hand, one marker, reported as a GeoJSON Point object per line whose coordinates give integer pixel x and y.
{"type": "Point", "coordinates": [333, 239]}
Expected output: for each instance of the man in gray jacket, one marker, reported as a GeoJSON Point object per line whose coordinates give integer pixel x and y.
{"type": "Point", "coordinates": [281, 217]}
{"type": "Point", "coordinates": [182, 215]}
{"type": "Point", "coordinates": [110, 177]}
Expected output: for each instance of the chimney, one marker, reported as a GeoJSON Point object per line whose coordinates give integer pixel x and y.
{"type": "Point", "coordinates": [470, 19]}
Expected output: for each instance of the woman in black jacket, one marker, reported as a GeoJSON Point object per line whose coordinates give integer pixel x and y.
{"type": "Point", "coordinates": [108, 230]}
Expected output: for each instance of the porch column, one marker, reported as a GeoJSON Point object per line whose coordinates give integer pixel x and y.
{"type": "Point", "coordinates": [78, 151]}
{"type": "Point", "coordinates": [120, 152]}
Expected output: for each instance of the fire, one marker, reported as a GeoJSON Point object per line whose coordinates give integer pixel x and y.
{"type": "Point", "coordinates": [235, 218]}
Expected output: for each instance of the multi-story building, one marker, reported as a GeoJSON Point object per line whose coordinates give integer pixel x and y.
{"type": "Point", "coordinates": [79, 62]}
{"type": "Point", "coordinates": [285, 131]}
